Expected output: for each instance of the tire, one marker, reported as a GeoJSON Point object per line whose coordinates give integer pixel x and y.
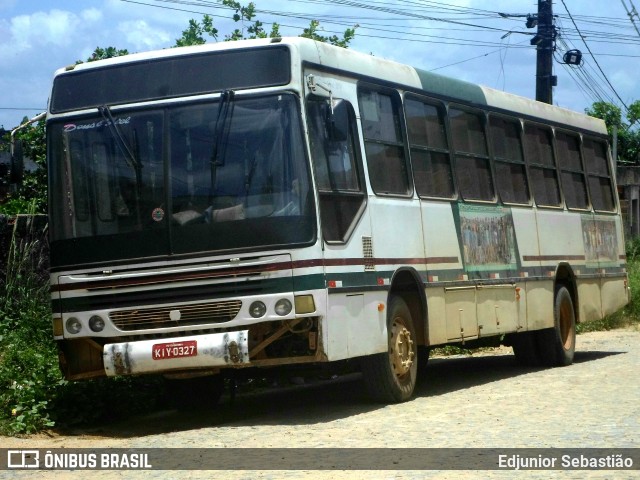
{"type": "Point", "coordinates": [391, 377]}
{"type": "Point", "coordinates": [557, 345]}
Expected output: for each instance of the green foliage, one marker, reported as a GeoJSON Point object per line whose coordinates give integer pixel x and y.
{"type": "Point", "coordinates": [193, 34]}
{"type": "Point", "coordinates": [14, 206]}
{"type": "Point", "coordinates": [312, 33]}
{"type": "Point", "coordinates": [28, 366]}
{"type": "Point", "coordinates": [103, 53]}
{"type": "Point", "coordinates": [633, 250]}
{"type": "Point", "coordinates": [252, 28]}
{"type": "Point", "coordinates": [628, 131]}
{"type": "Point", "coordinates": [32, 194]}
{"type": "Point", "coordinates": [33, 394]}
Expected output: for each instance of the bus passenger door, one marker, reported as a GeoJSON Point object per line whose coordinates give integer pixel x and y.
{"type": "Point", "coordinates": [353, 325]}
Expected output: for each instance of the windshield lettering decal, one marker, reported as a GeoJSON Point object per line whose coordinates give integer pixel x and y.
{"type": "Point", "coordinates": [70, 127]}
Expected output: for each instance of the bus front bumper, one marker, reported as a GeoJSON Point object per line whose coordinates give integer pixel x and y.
{"type": "Point", "coordinates": [180, 353]}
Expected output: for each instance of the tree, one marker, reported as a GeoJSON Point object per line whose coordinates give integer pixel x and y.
{"type": "Point", "coordinates": [628, 131]}
{"type": "Point", "coordinates": [104, 53]}
{"type": "Point", "coordinates": [252, 28]}
{"type": "Point", "coordinates": [193, 35]}
{"type": "Point", "coordinates": [312, 32]}
{"type": "Point", "coordinates": [32, 195]}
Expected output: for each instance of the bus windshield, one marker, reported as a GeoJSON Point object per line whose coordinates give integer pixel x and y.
{"type": "Point", "coordinates": [222, 175]}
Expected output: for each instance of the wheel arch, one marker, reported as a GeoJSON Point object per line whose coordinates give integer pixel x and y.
{"type": "Point", "coordinates": [565, 277]}
{"type": "Point", "coordinates": [406, 283]}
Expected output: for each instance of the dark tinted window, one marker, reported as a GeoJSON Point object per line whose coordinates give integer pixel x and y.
{"type": "Point", "coordinates": [188, 178]}
{"type": "Point", "coordinates": [386, 160]}
{"type": "Point", "coordinates": [473, 170]}
{"type": "Point", "coordinates": [429, 149]}
{"type": "Point", "coordinates": [574, 184]}
{"type": "Point", "coordinates": [600, 185]}
{"type": "Point", "coordinates": [511, 176]}
{"type": "Point", "coordinates": [542, 166]}
{"type": "Point", "coordinates": [170, 77]}
{"type": "Point", "coordinates": [335, 155]}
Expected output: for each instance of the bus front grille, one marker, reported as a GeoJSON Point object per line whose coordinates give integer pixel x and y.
{"type": "Point", "coordinates": [164, 317]}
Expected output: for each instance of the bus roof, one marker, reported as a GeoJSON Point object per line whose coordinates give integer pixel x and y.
{"type": "Point", "coordinates": [375, 68]}
{"type": "Point", "coordinates": [446, 87]}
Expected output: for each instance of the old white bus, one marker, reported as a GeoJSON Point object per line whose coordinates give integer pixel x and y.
{"type": "Point", "coordinates": [280, 202]}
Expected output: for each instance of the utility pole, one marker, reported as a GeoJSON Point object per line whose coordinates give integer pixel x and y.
{"type": "Point", "coordinates": [632, 12]}
{"type": "Point", "coordinates": [545, 44]}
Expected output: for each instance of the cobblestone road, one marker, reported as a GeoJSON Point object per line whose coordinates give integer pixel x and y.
{"type": "Point", "coordinates": [485, 400]}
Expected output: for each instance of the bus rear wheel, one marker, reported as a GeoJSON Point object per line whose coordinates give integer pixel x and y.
{"type": "Point", "coordinates": [391, 377]}
{"type": "Point", "coordinates": [558, 344]}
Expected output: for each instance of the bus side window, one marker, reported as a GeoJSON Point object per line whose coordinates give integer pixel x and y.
{"type": "Point", "coordinates": [542, 166]}
{"type": "Point", "coordinates": [384, 146]}
{"type": "Point", "coordinates": [429, 149]}
{"type": "Point", "coordinates": [511, 175]}
{"type": "Point", "coordinates": [573, 181]}
{"type": "Point", "coordinates": [473, 170]}
{"type": "Point", "coordinates": [596, 161]}
{"type": "Point", "coordinates": [337, 167]}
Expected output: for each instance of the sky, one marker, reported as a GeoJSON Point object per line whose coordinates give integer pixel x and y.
{"type": "Point", "coordinates": [473, 40]}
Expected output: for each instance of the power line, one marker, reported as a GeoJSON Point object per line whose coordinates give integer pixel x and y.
{"type": "Point", "coordinates": [631, 13]}
{"type": "Point", "coordinates": [23, 109]}
{"type": "Point", "coordinates": [418, 17]}
{"type": "Point", "coordinates": [594, 58]}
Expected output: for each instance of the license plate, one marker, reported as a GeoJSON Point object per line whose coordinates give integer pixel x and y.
{"type": "Point", "coordinates": [163, 351]}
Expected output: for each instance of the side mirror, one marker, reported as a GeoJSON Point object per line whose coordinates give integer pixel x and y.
{"type": "Point", "coordinates": [16, 171]}
{"type": "Point", "coordinates": [338, 121]}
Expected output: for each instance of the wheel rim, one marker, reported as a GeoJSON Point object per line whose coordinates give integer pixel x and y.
{"type": "Point", "coordinates": [566, 325]}
{"type": "Point", "coordinates": [401, 353]}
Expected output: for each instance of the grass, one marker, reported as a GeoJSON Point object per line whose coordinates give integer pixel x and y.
{"type": "Point", "coordinates": [28, 361]}
{"type": "Point", "coordinates": [35, 397]}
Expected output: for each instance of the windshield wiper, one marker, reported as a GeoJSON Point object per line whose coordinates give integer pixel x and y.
{"type": "Point", "coordinates": [129, 156]}
{"type": "Point", "coordinates": [221, 132]}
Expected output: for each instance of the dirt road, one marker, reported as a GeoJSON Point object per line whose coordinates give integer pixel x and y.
{"type": "Point", "coordinates": [483, 400]}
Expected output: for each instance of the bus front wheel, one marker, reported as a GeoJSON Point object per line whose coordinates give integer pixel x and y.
{"type": "Point", "coordinates": [391, 377]}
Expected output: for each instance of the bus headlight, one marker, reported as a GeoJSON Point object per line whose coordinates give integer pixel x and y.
{"type": "Point", "coordinates": [283, 307]}
{"type": "Point", "coordinates": [96, 323]}
{"type": "Point", "coordinates": [257, 309]}
{"type": "Point", "coordinates": [73, 325]}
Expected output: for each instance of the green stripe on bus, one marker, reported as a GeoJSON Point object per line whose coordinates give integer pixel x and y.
{"type": "Point", "coordinates": [451, 87]}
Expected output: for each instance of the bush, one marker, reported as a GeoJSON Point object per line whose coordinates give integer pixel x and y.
{"type": "Point", "coordinates": [28, 367]}
{"type": "Point", "coordinates": [33, 394]}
